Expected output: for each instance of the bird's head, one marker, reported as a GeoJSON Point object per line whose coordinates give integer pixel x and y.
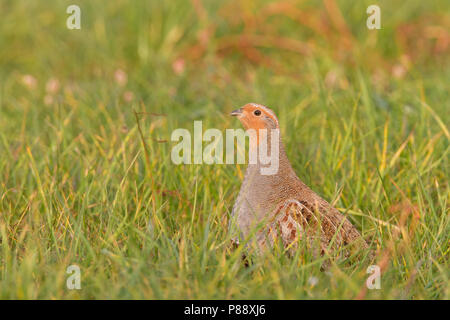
{"type": "Point", "coordinates": [255, 116]}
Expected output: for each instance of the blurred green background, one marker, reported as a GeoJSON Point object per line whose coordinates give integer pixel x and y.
{"type": "Point", "coordinates": [364, 116]}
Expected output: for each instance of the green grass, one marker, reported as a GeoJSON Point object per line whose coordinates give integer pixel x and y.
{"type": "Point", "coordinates": [76, 186]}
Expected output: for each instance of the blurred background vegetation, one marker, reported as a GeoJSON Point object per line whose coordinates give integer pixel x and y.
{"type": "Point", "coordinates": [364, 115]}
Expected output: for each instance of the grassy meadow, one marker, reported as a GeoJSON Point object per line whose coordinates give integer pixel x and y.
{"type": "Point", "coordinates": [86, 117]}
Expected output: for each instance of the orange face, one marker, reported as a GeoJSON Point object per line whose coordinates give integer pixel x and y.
{"type": "Point", "coordinates": [255, 116]}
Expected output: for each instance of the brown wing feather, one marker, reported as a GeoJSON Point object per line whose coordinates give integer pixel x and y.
{"type": "Point", "coordinates": [299, 220]}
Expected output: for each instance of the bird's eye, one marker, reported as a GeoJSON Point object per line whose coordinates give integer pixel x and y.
{"type": "Point", "coordinates": [257, 112]}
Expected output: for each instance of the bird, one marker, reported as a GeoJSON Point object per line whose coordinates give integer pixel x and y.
{"type": "Point", "coordinates": [280, 207]}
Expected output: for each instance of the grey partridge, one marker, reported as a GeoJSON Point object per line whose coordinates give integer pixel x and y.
{"type": "Point", "coordinates": [282, 205]}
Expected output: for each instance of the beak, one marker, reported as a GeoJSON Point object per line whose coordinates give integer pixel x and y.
{"type": "Point", "coordinates": [236, 112]}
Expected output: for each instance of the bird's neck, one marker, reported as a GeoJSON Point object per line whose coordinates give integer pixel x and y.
{"type": "Point", "coordinates": [273, 168]}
